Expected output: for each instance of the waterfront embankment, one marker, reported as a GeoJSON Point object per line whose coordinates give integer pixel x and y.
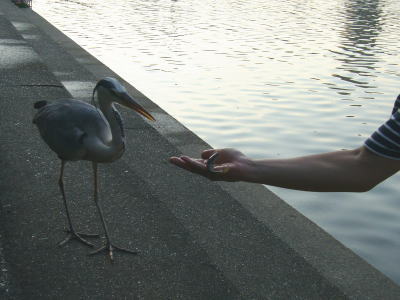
{"type": "Point", "coordinates": [197, 239]}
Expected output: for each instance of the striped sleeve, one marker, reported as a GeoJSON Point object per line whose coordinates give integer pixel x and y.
{"type": "Point", "coordinates": [385, 141]}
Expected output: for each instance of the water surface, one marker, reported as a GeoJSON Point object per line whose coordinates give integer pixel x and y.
{"type": "Point", "coordinates": [272, 78]}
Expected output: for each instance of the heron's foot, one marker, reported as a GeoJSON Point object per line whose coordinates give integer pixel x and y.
{"type": "Point", "coordinates": [110, 248]}
{"type": "Point", "coordinates": [73, 235]}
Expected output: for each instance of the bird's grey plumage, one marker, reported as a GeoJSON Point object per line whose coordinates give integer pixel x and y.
{"type": "Point", "coordinates": [76, 130]}
{"type": "Point", "coordinates": [64, 125]}
{"type": "Point", "coordinates": [120, 122]}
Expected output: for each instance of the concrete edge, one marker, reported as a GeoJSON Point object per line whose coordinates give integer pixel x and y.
{"type": "Point", "coordinates": [356, 279]}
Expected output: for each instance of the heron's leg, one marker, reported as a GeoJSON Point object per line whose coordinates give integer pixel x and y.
{"type": "Point", "coordinates": [72, 234]}
{"type": "Point", "coordinates": [108, 247]}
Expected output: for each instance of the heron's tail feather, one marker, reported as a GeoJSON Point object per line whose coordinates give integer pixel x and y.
{"type": "Point", "coordinates": [40, 104]}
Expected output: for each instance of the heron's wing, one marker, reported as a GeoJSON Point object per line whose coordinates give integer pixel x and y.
{"type": "Point", "coordinates": [63, 124]}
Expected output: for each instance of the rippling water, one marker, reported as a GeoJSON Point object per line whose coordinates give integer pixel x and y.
{"type": "Point", "coordinates": [272, 78]}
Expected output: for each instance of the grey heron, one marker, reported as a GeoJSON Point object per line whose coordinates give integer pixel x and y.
{"type": "Point", "coordinates": [76, 130]}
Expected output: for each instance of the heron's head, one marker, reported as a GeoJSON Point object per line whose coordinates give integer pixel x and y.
{"type": "Point", "coordinates": [114, 91]}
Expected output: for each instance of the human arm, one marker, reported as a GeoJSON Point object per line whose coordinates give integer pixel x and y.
{"type": "Point", "coordinates": [355, 170]}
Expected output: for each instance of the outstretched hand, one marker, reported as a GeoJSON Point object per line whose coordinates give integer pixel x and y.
{"type": "Point", "coordinates": [229, 165]}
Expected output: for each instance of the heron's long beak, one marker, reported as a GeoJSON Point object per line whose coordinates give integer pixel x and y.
{"type": "Point", "coordinates": [132, 104]}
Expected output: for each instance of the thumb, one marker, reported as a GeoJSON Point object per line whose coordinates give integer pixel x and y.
{"type": "Point", "coordinates": [207, 153]}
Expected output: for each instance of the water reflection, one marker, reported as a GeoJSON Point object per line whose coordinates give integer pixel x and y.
{"type": "Point", "coordinates": [80, 2]}
{"type": "Point", "coordinates": [363, 24]}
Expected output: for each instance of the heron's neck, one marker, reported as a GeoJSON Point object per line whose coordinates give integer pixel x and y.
{"type": "Point", "coordinates": [105, 105]}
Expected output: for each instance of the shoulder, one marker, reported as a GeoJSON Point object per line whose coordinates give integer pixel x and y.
{"type": "Point", "coordinates": [385, 141]}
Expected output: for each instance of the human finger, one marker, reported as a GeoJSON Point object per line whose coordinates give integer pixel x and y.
{"type": "Point", "coordinates": [210, 163]}
{"type": "Point", "coordinates": [207, 153]}
{"type": "Point", "coordinates": [195, 164]}
{"type": "Point", "coordinates": [184, 162]}
{"type": "Point", "coordinates": [179, 162]}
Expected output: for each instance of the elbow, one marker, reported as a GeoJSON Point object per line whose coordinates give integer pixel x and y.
{"type": "Point", "coordinates": [370, 170]}
{"type": "Point", "coordinates": [362, 189]}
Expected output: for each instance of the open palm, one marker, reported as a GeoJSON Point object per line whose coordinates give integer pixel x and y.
{"type": "Point", "coordinates": [229, 164]}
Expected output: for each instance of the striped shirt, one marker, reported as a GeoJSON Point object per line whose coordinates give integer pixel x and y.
{"type": "Point", "coordinates": [385, 141]}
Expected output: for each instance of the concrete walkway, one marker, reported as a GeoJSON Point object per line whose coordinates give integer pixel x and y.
{"type": "Point", "coordinates": [197, 240]}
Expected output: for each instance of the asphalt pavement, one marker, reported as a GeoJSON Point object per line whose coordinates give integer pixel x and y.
{"type": "Point", "coordinates": [196, 239]}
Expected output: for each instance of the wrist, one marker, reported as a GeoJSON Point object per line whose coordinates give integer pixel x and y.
{"type": "Point", "coordinates": [248, 170]}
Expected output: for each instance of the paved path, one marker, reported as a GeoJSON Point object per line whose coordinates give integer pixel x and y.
{"type": "Point", "coordinates": [197, 240]}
